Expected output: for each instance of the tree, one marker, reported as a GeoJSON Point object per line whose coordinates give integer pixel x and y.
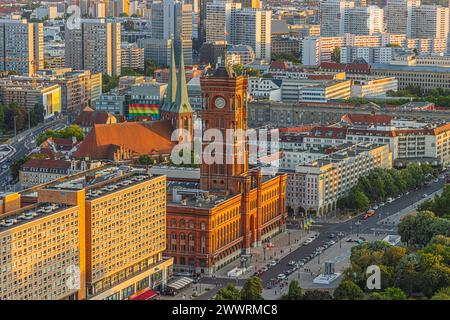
{"type": "Point", "coordinates": [68, 132]}
{"type": "Point", "coordinates": [336, 55]}
{"type": "Point", "coordinates": [252, 289]}
{"type": "Point", "coordinates": [394, 294]}
{"type": "Point", "coordinates": [109, 82]}
{"type": "Point", "coordinates": [317, 295]}
{"type": "Point", "coordinates": [230, 292]}
{"type": "Point", "coordinates": [439, 205]}
{"type": "Point", "coordinates": [145, 160]}
{"type": "Point", "coordinates": [294, 293]}
{"type": "Point", "coordinates": [128, 25]}
{"type": "Point", "coordinates": [149, 67]}
{"type": "Point", "coordinates": [348, 290]}
{"type": "Point", "coordinates": [442, 294]}
{"type": "Point", "coordinates": [15, 167]}
{"type": "Point", "coordinates": [418, 229]}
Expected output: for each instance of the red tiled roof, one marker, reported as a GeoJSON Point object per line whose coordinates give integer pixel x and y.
{"type": "Point", "coordinates": [46, 164]}
{"type": "Point", "coordinates": [140, 138]}
{"type": "Point", "coordinates": [296, 129]}
{"type": "Point", "coordinates": [89, 117]}
{"type": "Point", "coordinates": [349, 67]}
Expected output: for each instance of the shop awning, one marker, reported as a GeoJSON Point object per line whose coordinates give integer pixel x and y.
{"type": "Point", "coordinates": [146, 294]}
{"type": "Point", "coordinates": [180, 283]}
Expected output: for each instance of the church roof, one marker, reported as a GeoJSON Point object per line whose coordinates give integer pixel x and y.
{"type": "Point", "coordinates": [140, 138]}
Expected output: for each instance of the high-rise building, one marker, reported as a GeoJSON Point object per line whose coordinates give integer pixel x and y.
{"type": "Point", "coordinates": [173, 20]}
{"type": "Point", "coordinates": [363, 20]}
{"type": "Point", "coordinates": [252, 27]}
{"type": "Point", "coordinates": [218, 20]}
{"type": "Point", "coordinates": [122, 230]}
{"type": "Point", "coordinates": [332, 16]}
{"type": "Point", "coordinates": [21, 46]}
{"type": "Point", "coordinates": [398, 15]}
{"type": "Point", "coordinates": [95, 46]}
{"type": "Point", "coordinates": [429, 21]}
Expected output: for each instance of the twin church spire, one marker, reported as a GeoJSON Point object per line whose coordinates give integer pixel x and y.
{"type": "Point", "coordinates": [177, 100]}
{"type": "Point", "coordinates": [176, 108]}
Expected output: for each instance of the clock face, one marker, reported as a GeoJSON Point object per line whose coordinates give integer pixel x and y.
{"type": "Point", "coordinates": [219, 102]}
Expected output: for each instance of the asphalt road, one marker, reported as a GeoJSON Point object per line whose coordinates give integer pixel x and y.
{"type": "Point", "coordinates": [23, 143]}
{"type": "Point", "coordinates": [325, 229]}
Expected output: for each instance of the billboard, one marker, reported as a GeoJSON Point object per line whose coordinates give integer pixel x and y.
{"type": "Point", "coordinates": [143, 110]}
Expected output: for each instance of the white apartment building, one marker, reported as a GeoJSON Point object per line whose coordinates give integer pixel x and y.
{"type": "Point", "coordinates": [364, 20]}
{"type": "Point", "coordinates": [373, 86]}
{"type": "Point", "coordinates": [218, 20]}
{"type": "Point", "coordinates": [96, 46]}
{"type": "Point", "coordinates": [398, 14]}
{"type": "Point", "coordinates": [252, 27]}
{"type": "Point", "coordinates": [264, 89]}
{"type": "Point", "coordinates": [369, 54]}
{"type": "Point", "coordinates": [332, 17]}
{"type": "Point", "coordinates": [430, 21]}
{"type": "Point", "coordinates": [318, 185]}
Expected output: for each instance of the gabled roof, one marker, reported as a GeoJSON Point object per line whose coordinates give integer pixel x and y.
{"type": "Point", "coordinates": [139, 138]}
{"type": "Point", "coordinates": [328, 132]}
{"type": "Point", "coordinates": [88, 117]}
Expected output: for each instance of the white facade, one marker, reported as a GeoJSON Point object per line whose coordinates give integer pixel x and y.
{"type": "Point", "coordinates": [264, 89]}
{"type": "Point", "coordinates": [364, 20]}
{"type": "Point", "coordinates": [332, 17]}
{"type": "Point", "coordinates": [252, 27]}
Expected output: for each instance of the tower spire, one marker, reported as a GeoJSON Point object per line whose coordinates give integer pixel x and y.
{"type": "Point", "coordinates": [172, 85]}
{"type": "Point", "coordinates": [182, 104]}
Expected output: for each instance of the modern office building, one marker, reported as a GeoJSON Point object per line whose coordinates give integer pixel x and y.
{"type": "Point", "coordinates": [252, 27]}
{"type": "Point", "coordinates": [364, 20]}
{"type": "Point", "coordinates": [218, 20]}
{"type": "Point", "coordinates": [21, 46]}
{"type": "Point", "coordinates": [172, 19]}
{"type": "Point", "coordinates": [27, 94]}
{"type": "Point", "coordinates": [157, 50]}
{"type": "Point", "coordinates": [132, 56]}
{"type": "Point", "coordinates": [430, 21]}
{"type": "Point", "coordinates": [122, 230]}
{"type": "Point", "coordinates": [331, 16]}
{"type": "Point", "coordinates": [398, 15]}
{"type": "Point", "coordinates": [96, 46]}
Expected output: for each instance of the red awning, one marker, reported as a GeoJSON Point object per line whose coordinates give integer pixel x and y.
{"type": "Point", "coordinates": [143, 295]}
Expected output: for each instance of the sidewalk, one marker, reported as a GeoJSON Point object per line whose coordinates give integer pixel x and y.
{"type": "Point", "coordinates": [283, 244]}
{"type": "Point", "coordinates": [193, 291]}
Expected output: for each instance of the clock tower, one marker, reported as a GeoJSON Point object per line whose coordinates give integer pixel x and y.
{"type": "Point", "coordinates": [224, 96]}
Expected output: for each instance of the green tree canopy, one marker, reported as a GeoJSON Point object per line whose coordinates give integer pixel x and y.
{"type": "Point", "coordinates": [348, 290]}
{"type": "Point", "coordinates": [294, 292]}
{"type": "Point", "coordinates": [252, 289]}
{"type": "Point", "coordinates": [230, 292]}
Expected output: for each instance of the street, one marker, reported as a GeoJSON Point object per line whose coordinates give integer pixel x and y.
{"type": "Point", "coordinates": [354, 226]}
{"type": "Point", "coordinates": [22, 144]}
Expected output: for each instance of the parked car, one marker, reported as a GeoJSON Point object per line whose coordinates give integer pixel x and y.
{"type": "Point", "coordinates": [273, 263]}
{"type": "Point", "coordinates": [281, 276]}
{"type": "Point", "coordinates": [331, 235]}
{"type": "Point", "coordinates": [291, 263]}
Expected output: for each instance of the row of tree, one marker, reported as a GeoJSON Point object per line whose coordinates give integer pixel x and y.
{"type": "Point", "coordinates": [405, 273]}
{"type": "Point", "coordinates": [438, 96]}
{"type": "Point", "coordinates": [381, 184]}
{"type": "Point", "coordinates": [68, 132]}
{"type": "Point", "coordinates": [252, 290]}
{"type": "Point", "coordinates": [22, 115]}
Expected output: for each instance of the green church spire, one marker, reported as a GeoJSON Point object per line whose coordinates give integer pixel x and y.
{"type": "Point", "coordinates": [182, 104]}
{"type": "Point", "coordinates": [172, 85]}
